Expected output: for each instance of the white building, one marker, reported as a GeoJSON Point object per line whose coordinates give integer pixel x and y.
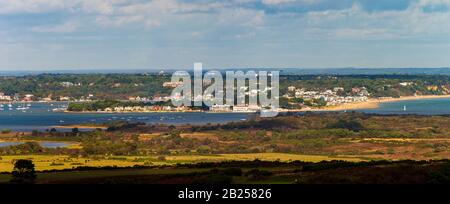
{"type": "Point", "coordinates": [246, 109]}
{"type": "Point", "coordinates": [172, 84]}
{"type": "Point", "coordinates": [406, 83]}
{"type": "Point", "coordinates": [3, 97]}
{"type": "Point", "coordinates": [220, 108]}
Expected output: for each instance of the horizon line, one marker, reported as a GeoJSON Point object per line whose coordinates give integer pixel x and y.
{"type": "Point", "coordinates": [206, 68]}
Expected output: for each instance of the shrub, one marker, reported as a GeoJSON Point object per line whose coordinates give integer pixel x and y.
{"type": "Point", "coordinates": [352, 125]}
{"type": "Point", "coordinates": [23, 172]}
{"type": "Point", "coordinates": [213, 179]}
{"type": "Point", "coordinates": [257, 174]}
{"type": "Point", "coordinates": [204, 149]}
{"type": "Point", "coordinates": [441, 175]}
{"type": "Point", "coordinates": [232, 171]}
{"type": "Point", "coordinates": [6, 131]}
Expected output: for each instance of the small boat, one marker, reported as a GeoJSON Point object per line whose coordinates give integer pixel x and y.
{"type": "Point", "coordinates": [404, 108]}
{"type": "Point", "coordinates": [22, 107]}
{"type": "Point", "coordinates": [58, 109]}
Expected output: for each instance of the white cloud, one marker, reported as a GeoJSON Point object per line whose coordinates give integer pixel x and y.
{"type": "Point", "coordinates": [30, 6]}
{"type": "Point", "coordinates": [63, 28]}
{"type": "Point", "coordinates": [276, 2]}
{"type": "Point", "coordinates": [348, 22]}
{"type": "Point", "coordinates": [98, 6]}
{"type": "Point", "coordinates": [118, 21]}
{"type": "Point", "coordinates": [280, 2]}
{"type": "Point", "coordinates": [356, 22]}
{"type": "Point", "coordinates": [241, 17]}
{"type": "Point", "coordinates": [43, 6]}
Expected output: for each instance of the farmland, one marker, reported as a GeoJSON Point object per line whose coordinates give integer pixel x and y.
{"type": "Point", "coordinates": [59, 162]}
{"type": "Point", "coordinates": [151, 152]}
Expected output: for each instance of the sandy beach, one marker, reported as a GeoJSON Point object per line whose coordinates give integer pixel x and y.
{"type": "Point", "coordinates": [375, 102]}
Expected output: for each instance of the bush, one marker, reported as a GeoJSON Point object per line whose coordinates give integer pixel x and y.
{"type": "Point", "coordinates": [6, 131]}
{"type": "Point", "coordinates": [257, 174]}
{"type": "Point", "coordinates": [23, 172]}
{"type": "Point", "coordinates": [204, 150]}
{"type": "Point", "coordinates": [213, 179]}
{"type": "Point", "coordinates": [352, 125]}
{"type": "Point", "coordinates": [228, 171]}
{"type": "Point", "coordinates": [441, 175]}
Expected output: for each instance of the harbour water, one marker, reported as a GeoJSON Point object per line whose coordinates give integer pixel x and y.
{"type": "Point", "coordinates": [39, 116]}
{"type": "Point", "coordinates": [437, 106]}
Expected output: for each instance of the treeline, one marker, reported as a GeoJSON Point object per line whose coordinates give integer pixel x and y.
{"type": "Point", "coordinates": [101, 86]}
{"type": "Point", "coordinates": [34, 148]}
{"type": "Point", "coordinates": [122, 86]}
{"type": "Point", "coordinates": [102, 104]}
{"type": "Point", "coordinates": [377, 85]}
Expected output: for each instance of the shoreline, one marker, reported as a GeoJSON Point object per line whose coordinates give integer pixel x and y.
{"type": "Point", "coordinates": [125, 112]}
{"type": "Point", "coordinates": [371, 103]}
{"type": "Point", "coordinates": [375, 102]}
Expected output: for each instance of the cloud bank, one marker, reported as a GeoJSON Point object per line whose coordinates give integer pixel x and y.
{"type": "Point", "coordinates": [166, 33]}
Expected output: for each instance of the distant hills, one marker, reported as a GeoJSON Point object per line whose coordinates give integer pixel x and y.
{"type": "Point", "coordinates": [369, 71]}
{"type": "Point", "coordinates": [285, 71]}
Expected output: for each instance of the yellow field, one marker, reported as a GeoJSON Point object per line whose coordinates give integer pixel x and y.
{"type": "Point", "coordinates": [58, 162]}
{"type": "Point", "coordinates": [260, 156]}
{"type": "Point", "coordinates": [49, 162]}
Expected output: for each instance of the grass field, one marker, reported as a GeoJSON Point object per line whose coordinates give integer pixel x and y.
{"type": "Point", "coordinates": [58, 162]}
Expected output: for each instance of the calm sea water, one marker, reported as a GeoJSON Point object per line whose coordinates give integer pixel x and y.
{"type": "Point", "coordinates": [439, 106]}
{"type": "Point", "coordinates": [40, 116]}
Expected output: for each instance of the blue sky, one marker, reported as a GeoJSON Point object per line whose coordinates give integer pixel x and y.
{"type": "Point", "coordinates": [137, 34]}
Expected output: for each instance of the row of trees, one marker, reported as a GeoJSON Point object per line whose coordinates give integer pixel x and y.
{"type": "Point", "coordinates": [377, 85]}
{"type": "Point", "coordinates": [121, 86]}
{"type": "Point", "coordinates": [102, 86]}
{"type": "Point", "coordinates": [102, 104]}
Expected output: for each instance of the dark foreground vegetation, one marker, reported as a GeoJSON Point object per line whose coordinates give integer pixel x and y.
{"type": "Point", "coordinates": [254, 172]}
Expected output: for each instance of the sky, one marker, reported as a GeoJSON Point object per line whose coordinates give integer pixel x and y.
{"type": "Point", "coordinates": [173, 34]}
